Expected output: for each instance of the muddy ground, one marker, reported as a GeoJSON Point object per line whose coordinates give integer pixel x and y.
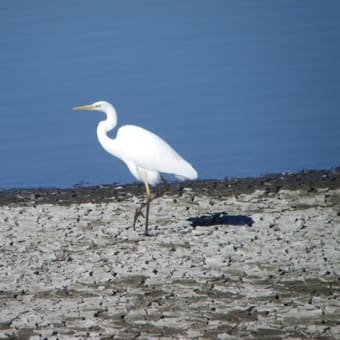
{"type": "Point", "coordinates": [250, 258]}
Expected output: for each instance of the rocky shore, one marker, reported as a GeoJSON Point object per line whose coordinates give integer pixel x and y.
{"type": "Point", "coordinates": [236, 258]}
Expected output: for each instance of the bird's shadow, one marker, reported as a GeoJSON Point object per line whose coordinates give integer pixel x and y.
{"type": "Point", "coordinates": [219, 218]}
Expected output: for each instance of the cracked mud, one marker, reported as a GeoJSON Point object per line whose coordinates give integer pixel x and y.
{"type": "Point", "coordinates": [253, 258]}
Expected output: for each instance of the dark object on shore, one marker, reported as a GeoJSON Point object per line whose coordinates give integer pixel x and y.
{"type": "Point", "coordinates": [220, 218]}
{"type": "Point", "coordinates": [308, 180]}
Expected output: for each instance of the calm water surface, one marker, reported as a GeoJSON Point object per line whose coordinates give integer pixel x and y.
{"type": "Point", "coordinates": [239, 88]}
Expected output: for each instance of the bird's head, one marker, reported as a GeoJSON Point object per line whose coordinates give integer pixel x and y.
{"type": "Point", "coordinates": [97, 106]}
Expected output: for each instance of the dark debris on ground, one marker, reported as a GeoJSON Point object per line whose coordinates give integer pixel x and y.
{"type": "Point", "coordinates": [308, 180]}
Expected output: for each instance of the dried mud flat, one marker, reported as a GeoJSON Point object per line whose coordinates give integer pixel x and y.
{"type": "Point", "coordinates": [251, 258]}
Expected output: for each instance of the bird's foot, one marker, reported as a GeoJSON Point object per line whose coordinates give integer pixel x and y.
{"type": "Point", "coordinates": [138, 212]}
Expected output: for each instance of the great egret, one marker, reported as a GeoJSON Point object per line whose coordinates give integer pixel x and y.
{"type": "Point", "coordinates": [145, 154]}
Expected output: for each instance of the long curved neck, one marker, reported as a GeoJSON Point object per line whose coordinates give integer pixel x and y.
{"type": "Point", "coordinates": [109, 144]}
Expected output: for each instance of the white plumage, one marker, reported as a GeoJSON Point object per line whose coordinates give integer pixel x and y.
{"type": "Point", "coordinates": [145, 154]}
{"type": "Point", "coordinates": [143, 151]}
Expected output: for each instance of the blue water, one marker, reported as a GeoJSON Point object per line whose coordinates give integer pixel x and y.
{"type": "Point", "coordinates": [239, 88]}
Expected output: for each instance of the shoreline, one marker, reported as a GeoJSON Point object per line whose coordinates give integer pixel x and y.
{"type": "Point", "coordinates": [307, 180]}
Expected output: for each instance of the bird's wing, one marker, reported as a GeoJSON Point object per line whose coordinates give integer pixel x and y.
{"type": "Point", "coordinates": [147, 150]}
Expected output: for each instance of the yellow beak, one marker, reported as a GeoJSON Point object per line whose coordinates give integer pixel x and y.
{"type": "Point", "coordinates": [84, 107]}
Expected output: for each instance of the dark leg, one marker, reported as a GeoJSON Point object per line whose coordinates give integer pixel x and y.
{"type": "Point", "coordinates": [149, 199]}
{"type": "Point", "coordinates": [138, 212]}
{"type": "Point", "coordinates": [146, 231]}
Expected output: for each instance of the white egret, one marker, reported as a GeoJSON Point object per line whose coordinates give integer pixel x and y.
{"type": "Point", "coordinates": [145, 154]}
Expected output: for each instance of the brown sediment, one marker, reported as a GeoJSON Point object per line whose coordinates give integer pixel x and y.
{"type": "Point", "coordinates": [309, 180]}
